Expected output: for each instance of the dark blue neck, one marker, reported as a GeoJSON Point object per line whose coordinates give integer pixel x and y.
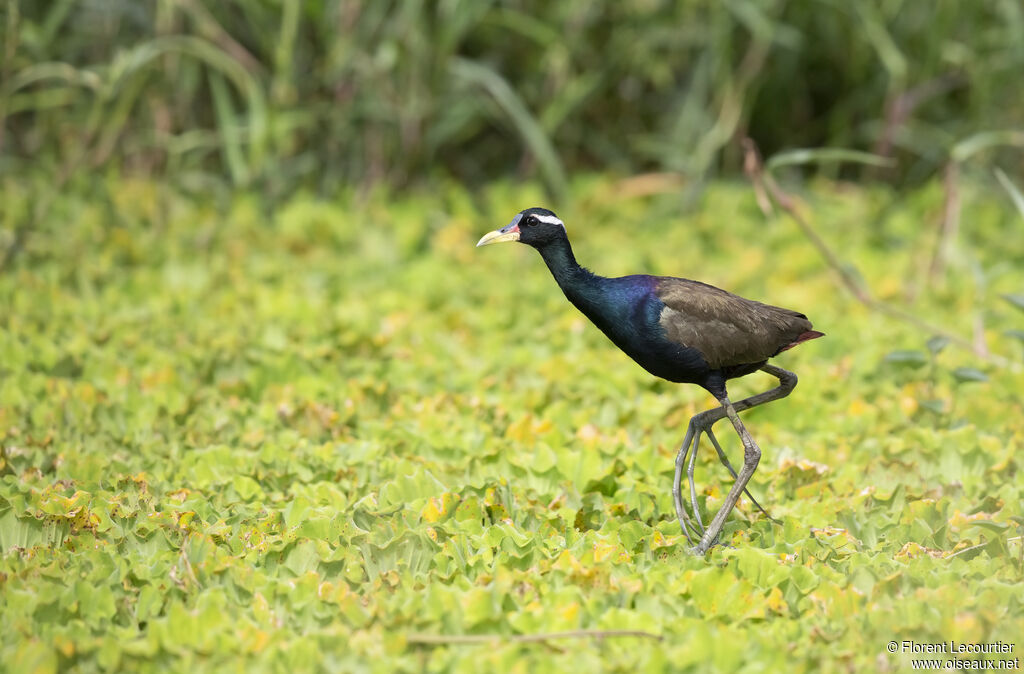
{"type": "Point", "coordinates": [578, 283]}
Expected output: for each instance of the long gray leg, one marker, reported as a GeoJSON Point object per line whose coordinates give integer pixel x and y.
{"type": "Point", "coordinates": [677, 496]}
{"type": "Point", "coordinates": [787, 382]}
{"type": "Point", "coordinates": [751, 457]}
{"type": "Point", "coordinates": [725, 461]}
{"type": "Point", "coordinates": [702, 423]}
{"type": "Point", "coordinates": [732, 471]}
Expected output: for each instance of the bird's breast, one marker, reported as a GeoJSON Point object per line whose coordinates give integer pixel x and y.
{"type": "Point", "coordinates": [629, 313]}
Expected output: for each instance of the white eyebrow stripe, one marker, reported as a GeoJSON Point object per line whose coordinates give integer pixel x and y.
{"type": "Point", "coordinates": [549, 219]}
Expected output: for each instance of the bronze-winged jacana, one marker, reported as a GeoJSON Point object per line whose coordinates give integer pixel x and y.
{"type": "Point", "coordinates": [683, 331]}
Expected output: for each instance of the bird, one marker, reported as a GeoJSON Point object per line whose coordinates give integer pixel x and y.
{"type": "Point", "coordinates": [683, 331]}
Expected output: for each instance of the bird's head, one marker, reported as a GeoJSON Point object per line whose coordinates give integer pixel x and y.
{"type": "Point", "coordinates": [535, 227]}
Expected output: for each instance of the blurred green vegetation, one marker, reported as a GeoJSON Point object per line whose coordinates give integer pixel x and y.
{"type": "Point", "coordinates": [282, 93]}
{"type": "Point", "coordinates": [298, 441]}
{"type": "Point", "coordinates": [263, 406]}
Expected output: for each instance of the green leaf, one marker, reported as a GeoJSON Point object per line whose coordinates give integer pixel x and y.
{"type": "Point", "coordinates": [804, 579]}
{"type": "Point", "coordinates": [985, 140]}
{"type": "Point", "coordinates": [149, 603]}
{"type": "Point", "coordinates": [824, 155]}
{"type": "Point", "coordinates": [631, 533]}
{"type": "Point", "coordinates": [762, 569]}
{"type": "Point", "coordinates": [964, 374]}
{"type": "Point", "coordinates": [906, 358]}
{"type": "Point", "coordinates": [32, 657]}
{"type": "Point", "coordinates": [1015, 194]}
{"type": "Point", "coordinates": [719, 593]}
{"type": "Point", "coordinates": [246, 487]}
{"type": "Point", "coordinates": [302, 557]}
{"type": "Point", "coordinates": [937, 344]}
{"type": "Point", "coordinates": [407, 488]}
{"type": "Point", "coordinates": [989, 525]}
{"type": "Point", "coordinates": [478, 606]}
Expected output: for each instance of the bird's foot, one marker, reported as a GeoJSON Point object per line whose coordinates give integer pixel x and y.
{"type": "Point", "coordinates": [703, 545]}
{"type": "Point", "coordinates": [700, 550]}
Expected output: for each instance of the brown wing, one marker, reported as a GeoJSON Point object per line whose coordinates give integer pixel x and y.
{"type": "Point", "coordinates": [727, 329]}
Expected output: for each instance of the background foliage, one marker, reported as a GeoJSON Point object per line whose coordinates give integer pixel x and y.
{"type": "Point", "coordinates": [229, 444]}
{"type": "Point", "coordinates": [264, 407]}
{"type": "Point", "coordinates": [282, 92]}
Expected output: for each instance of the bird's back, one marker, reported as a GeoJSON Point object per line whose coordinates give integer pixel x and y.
{"type": "Point", "coordinates": [728, 330]}
{"type": "Point", "coordinates": [684, 330]}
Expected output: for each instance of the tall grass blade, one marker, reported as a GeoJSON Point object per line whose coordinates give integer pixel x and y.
{"type": "Point", "coordinates": [230, 136]}
{"type": "Point", "coordinates": [1015, 194]}
{"type": "Point", "coordinates": [825, 155]}
{"type": "Point", "coordinates": [985, 140]}
{"type": "Point", "coordinates": [522, 121]}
